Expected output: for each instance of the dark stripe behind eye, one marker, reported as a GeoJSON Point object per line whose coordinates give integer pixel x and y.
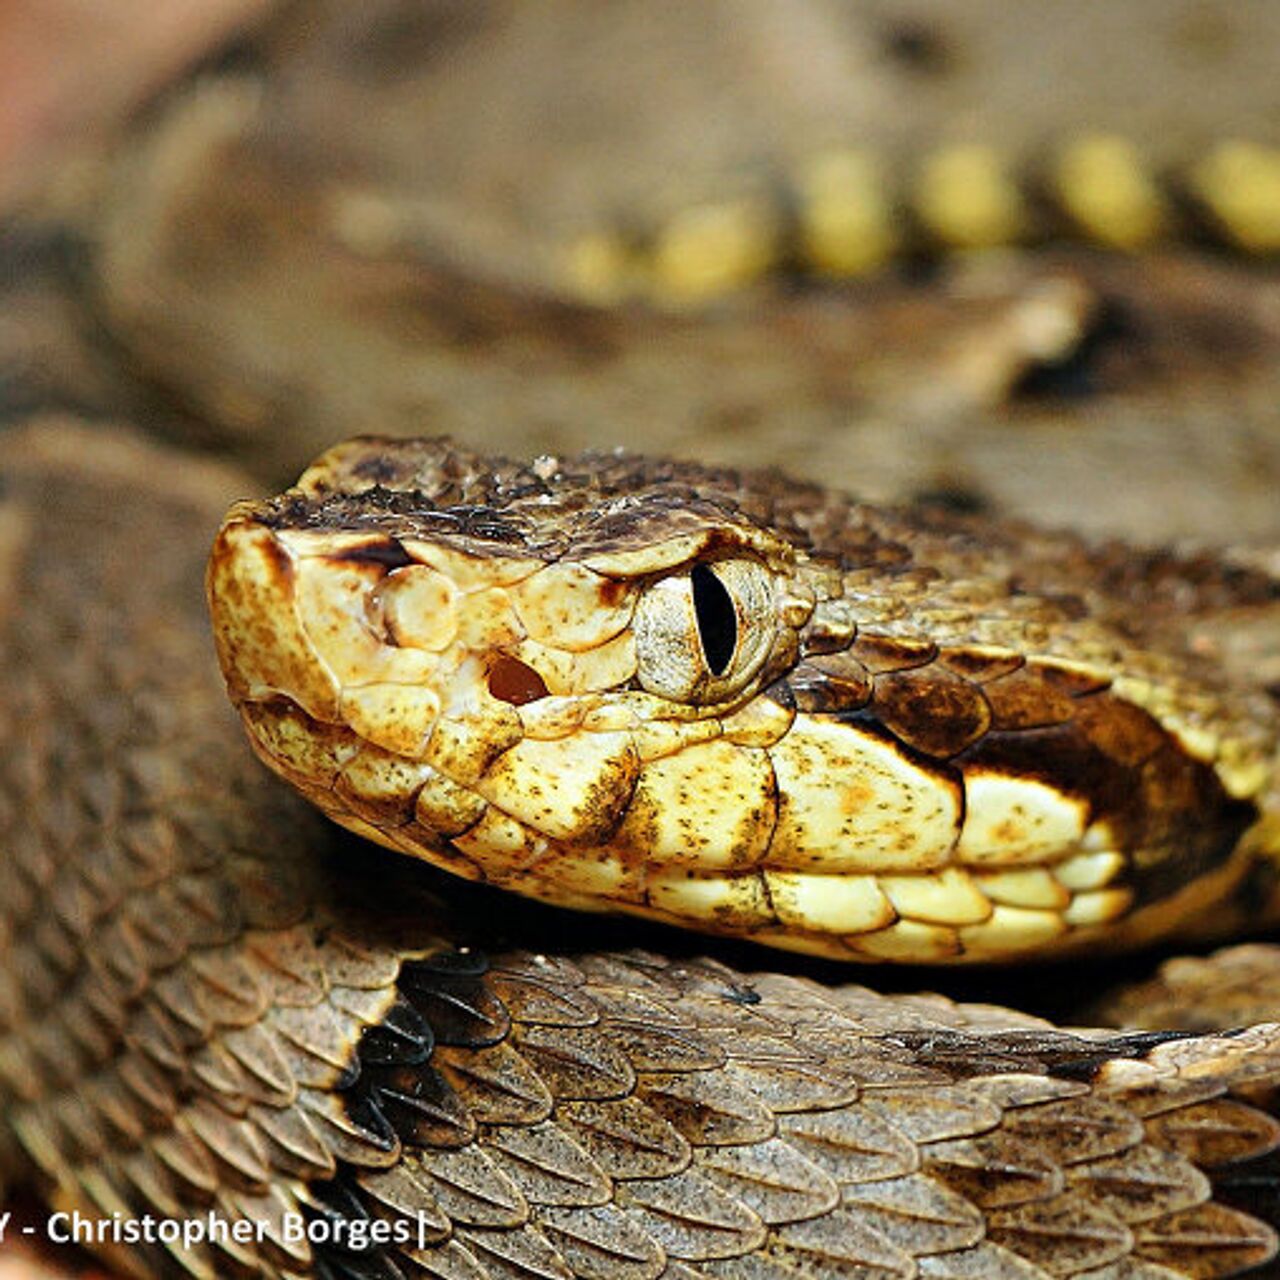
{"type": "Point", "coordinates": [717, 618]}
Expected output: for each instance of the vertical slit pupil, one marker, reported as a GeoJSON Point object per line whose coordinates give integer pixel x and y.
{"type": "Point", "coordinates": [717, 619]}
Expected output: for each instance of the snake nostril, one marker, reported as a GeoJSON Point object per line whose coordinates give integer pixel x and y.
{"type": "Point", "coordinates": [513, 681]}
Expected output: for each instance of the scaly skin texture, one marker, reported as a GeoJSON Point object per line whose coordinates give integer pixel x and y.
{"type": "Point", "coordinates": [223, 237]}
{"type": "Point", "coordinates": [898, 735]}
{"type": "Point", "coordinates": [213, 1002]}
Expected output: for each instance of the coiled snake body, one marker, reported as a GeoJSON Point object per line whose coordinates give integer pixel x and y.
{"type": "Point", "coordinates": [213, 1003]}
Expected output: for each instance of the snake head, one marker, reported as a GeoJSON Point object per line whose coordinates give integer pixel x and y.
{"type": "Point", "coordinates": [629, 685]}
{"type": "Point", "coordinates": [476, 661]}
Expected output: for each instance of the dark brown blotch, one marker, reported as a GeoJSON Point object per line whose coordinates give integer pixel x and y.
{"type": "Point", "coordinates": [978, 665]}
{"type": "Point", "coordinates": [1166, 810]}
{"type": "Point", "coordinates": [919, 48]}
{"type": "Point", "coordinates": [1022, 699]}
{"type": "Point", "coordinates": [1071, 681]}
{"type": "Point", "coordinates": [280, 560]}
{"type": "Point", "coordinates": [881, 654]}
{"type": "Point", "coordinates": [931, 710]}
{"type": "Point", "coordinates": [1122, 731]}
{"type": "Point", "coordinates": [515, 682]}
{"type": "Point", "coordinates": [822, 638]}
{"type": "Point", "coordinates": [387, 552]}
{"type": "Point", "coordinates": [1061, 756]}
{"type": "Point", "coordinates": [613, 591]}
{"type": "Point", "coordinates": [830, 683]}
{"type": "Point", "coordinates": [782, 693]}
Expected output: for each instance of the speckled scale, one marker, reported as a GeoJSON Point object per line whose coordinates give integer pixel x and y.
{"type": "Point", "coordinates": [1215, 1133]}
{"type": "Point", "coordinates": [852, 1145]}
{"type": "Point", "coordinates": [841, 1244]}
{"type": "Point", "coordinates": [536, 1000]}
{"type": "Point", "coordinates": [287, 964]}
{"type": "Point", "coordinates": [602, 1242]}
{"type": "Point", "coordinates": [577, 1062]}
{"type": "Point", "coordinates": [661, 1049]}
{"type": "Point", "coordinates": [450, 1260]}
{"type": "Point", "coordinates": [549, 1164]}
{"type": "Point", "coordinates": [793, 1088]}
{"type": "Point", "coordinates": [886, 654]}
{"type": "Point", "coordinates": [627, 1137]}
{"type": "Point", "coordinates": [220, 1074]}
{"type": "Point", "coordinates": [460, 1007]}
{"type": "Point", "coordinates": [712, 1005]}
{"type": "Point", "coordinates": [335, 1201]}
{"type": "Point", "coordinates": [496, 1084]}
{"type": "Point", "coordinates": [234, 1145]}
{"type": "Point", "coordinates": [317, 1043]}
{"type": "Point", "coordinates": [1205, 1242]}
{"type": "Point", "coordinates": [988, 1261]}
{"type": "Point", "coordinates": [933, 1114]}
{"type": "Point", "coordinates": [295, 1146]}
{"type": "Point", "coordinates": [520, 1255]}
{"type": "Point", "coordinates": [691, 1219]}
{"type": "Point", "coordinates": [916, 1214]}
{"type": "Point", "coordinates": [630, 1007]}
{"type": "Point", "coordinates": [341, 1267]}
{"type": "Point", "coordinates": [995, 1170]}
{"type": "Point", "coordinates": [1062, 1235]}
{"type": "Point", "coordinates": [1078, 1130]}
{"type": "Point", "coordinates": [772, 1178]}
{"type": "Point", "coordinates": [707, 1109]}
{"type": "Point", "coordinates": [1141, 1184]}
{"type": "Point", "coordinates": [403, 1193]}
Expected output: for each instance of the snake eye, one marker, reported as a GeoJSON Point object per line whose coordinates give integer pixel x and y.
{"type": "Point", "coordinates": [702, 634]}
{"type": "Point", "coordinates": [717, 618]}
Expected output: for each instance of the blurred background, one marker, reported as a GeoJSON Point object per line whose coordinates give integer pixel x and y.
{"type": "Point", "coordinates": [1010, 256]}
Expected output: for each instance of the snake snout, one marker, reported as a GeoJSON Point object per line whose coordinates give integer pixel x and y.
{"type": "Point", "coordinates": [262, 647]}
{"type": "Point", "coordinates": [343, 625]}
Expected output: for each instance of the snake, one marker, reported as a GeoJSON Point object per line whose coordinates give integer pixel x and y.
{"type": "Point", "coordinates": [236, 1039]}
{"type": "Point", "coordinates": [723, 700]}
